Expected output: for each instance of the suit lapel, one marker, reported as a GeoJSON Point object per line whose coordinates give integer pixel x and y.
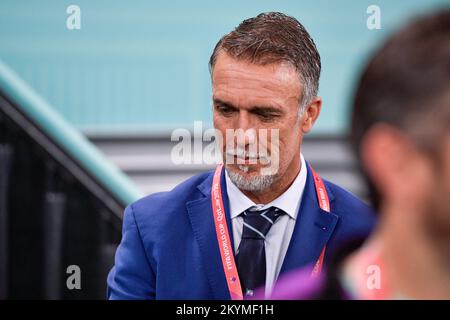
{"type": "Point", "coordinates": [313, 228]}
{"type": "Point", "coordinates": [201, 217]}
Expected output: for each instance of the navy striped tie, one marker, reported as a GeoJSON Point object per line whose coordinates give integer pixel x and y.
{"type": "Point", "coordinates": [251, 256]}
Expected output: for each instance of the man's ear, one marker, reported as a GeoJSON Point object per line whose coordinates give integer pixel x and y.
{"type": "Point", "coordinates": [311, 114]}
{"type": "Point", "coordinates": [386, 154]}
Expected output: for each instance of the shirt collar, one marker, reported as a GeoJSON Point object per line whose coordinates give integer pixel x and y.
{"type": "Point", "coordinates": [289, 201]}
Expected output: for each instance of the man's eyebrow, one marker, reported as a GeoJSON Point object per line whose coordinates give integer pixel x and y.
{"type": "Point", "coordinates": [224, 103]}
{"type": "Point", "coordinates": [265, 109]}
{"type": "Point", "coordinates": [254, 109]}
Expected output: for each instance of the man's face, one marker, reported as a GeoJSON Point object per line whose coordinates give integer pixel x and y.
{"type": "Point", "coordinates": [263, 98]}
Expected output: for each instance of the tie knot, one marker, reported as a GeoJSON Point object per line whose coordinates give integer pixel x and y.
{"type": "Point", "coordinates": [257, 223]}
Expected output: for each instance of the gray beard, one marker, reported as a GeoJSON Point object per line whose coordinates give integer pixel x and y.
{"type": "Point", "coordinates": [255, 183]}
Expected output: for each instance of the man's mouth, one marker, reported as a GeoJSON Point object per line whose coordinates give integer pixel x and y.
{"type": "Point", "coordinates": [246, 160]}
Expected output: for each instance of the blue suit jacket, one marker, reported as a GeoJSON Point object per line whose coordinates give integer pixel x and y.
{"type": "Point", "coordinates": [169, 248]}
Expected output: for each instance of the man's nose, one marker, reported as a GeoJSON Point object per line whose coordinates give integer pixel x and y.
{"type": "Point", "coordinates": [246, 133]}
{"type": "Point", "coordinates": [243, 120]}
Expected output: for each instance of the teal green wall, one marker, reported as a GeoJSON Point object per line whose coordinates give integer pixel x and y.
{"type": "Point", "coordinates": [142, 65]}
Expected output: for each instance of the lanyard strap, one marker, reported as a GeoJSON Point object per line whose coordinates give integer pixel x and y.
{"type": "Point", "coordinates": [223, 236]}
{"type": "Point", "coordinates": [324, 204]}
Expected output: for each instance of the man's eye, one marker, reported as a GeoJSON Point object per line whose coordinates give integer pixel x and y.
{"type": "Point", "coordinates": [267, 117]}
{"type": "Point", "coordinates": [224, 110]}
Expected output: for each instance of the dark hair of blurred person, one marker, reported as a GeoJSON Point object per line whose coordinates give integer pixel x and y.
{"type": "Point", "coordinates": [401, 131]}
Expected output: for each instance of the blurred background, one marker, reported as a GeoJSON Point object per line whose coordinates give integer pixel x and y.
{"type": "Point", "coordinates": [87, 115]}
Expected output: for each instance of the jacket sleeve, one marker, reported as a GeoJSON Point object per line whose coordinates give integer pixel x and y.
{"type": "Point", "coordinates": [132, 276]}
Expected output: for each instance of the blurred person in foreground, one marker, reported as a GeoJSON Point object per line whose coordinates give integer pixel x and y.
{"type": "Point", "coordinates": [401, 131]}
{"type": "Point", "coordinates": [223, 233]}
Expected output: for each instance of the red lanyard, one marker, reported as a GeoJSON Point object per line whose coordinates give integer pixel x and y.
{"type": "Point", "coordinates": [223, 236]}
{"type": "Point", "coordinates": [324, 204]}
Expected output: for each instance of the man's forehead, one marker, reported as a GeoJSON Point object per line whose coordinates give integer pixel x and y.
{"type": "Point", "coordinates": [231, 76]}
{"type": "Point", "coordinates": [227, 66]}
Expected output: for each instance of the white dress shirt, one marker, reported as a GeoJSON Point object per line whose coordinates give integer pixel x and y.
{"type": "Point", "coordinates": [278, 238]}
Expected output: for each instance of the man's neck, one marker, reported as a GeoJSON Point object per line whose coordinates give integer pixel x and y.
{"type": "Point", "coordinates": [414, 264]}
{"type": "Point", "coordinates": [278, 187]}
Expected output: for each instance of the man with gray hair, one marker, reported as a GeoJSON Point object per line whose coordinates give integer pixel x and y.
{"type": "Point", "coordinates": [264, 211]}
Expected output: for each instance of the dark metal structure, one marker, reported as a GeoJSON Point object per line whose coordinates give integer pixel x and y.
{"type": "Point", "coordinates": [56, 208]}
